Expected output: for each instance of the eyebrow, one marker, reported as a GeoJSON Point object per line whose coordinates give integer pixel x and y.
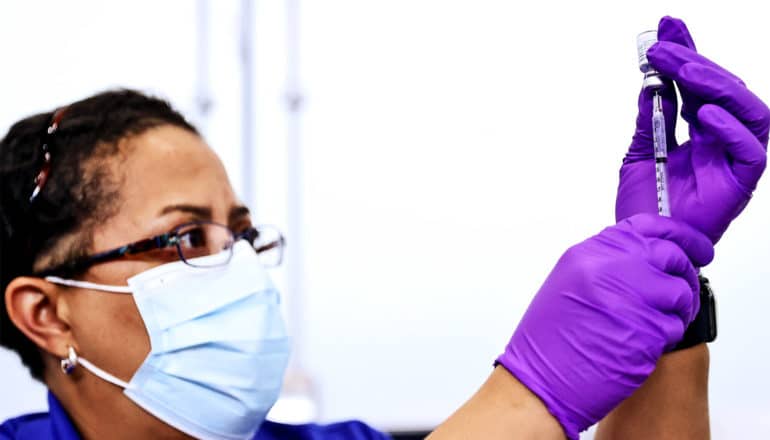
{"type": "Point", "coordinates": [236, 212]}
{"type": "Point", "coordinates": [199, 211]}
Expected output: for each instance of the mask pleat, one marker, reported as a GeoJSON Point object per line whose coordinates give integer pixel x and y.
{"type": "Point", "coordinates": [252, 318]}
{"type": "Point", "coordinates": [195, 365]}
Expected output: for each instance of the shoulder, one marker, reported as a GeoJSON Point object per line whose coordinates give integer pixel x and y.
{"type": "Point", "coordinates": [30, 426]}
{"type": "Point", "coordinates": [351, 430]}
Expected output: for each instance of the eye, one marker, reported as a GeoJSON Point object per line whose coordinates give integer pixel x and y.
{"type": "Point", "coordinates": [193, 238]}
{"type": "Point", "coordinates": [202, 239]}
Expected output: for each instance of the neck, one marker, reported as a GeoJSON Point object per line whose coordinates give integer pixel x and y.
{"type": "Point", "coordinates": [99, 409]}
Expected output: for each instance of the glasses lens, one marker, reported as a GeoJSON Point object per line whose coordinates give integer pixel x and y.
{"type": "Point", "coordinates": [210, 240]}
{"type": "Point", "coordinates": [269, 244]}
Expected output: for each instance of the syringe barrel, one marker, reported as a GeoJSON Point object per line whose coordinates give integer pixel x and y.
{"type": "Point", "coordinates": [661, 155]}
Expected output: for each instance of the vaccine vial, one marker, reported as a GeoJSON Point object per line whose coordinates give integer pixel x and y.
{"type": "Point", "coordinates": [651, 76]}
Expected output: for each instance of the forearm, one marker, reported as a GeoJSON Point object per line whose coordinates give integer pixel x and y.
{"type": "Point", "coordinates": [503, 408]}
{"type": "Point", "coordinates": [672, 403]}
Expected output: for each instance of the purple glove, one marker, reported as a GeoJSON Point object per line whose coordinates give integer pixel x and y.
{"type": "Point", "coordinates": [711, 176]}
{"type": "Point", "coordinates": [609, 309]}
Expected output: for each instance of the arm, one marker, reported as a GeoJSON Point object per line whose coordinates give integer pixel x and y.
{"type": "Point", "coordinates": [503, 408]}
{"type": "Point", "coordinates": [723, 159]}
{"type": "Point", "coordinates": [589, 339]}
{"type": "Point", "coordinates": [672, 403]}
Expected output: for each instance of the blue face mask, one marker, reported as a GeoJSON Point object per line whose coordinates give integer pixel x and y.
{"type": "Point", "coordinates": [219, 347]}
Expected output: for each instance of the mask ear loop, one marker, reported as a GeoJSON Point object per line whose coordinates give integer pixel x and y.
{"type": "Point", "coordinates": [73, 360]}
{"type": "Point", "coordinates": [87, 285]}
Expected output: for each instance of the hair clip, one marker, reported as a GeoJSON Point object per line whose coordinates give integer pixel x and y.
{"type": "Point", "coordinates": [45, 169]}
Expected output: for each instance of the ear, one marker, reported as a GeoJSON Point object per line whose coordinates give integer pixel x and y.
{"type": "Point", "coordinates": [34, 308]}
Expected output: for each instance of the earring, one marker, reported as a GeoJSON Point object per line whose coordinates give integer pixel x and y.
{"type": "Point", "coordinates": [69, 364]}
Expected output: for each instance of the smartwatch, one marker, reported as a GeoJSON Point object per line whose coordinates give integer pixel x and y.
{"type": "Point", "coordinates": [704, 327]}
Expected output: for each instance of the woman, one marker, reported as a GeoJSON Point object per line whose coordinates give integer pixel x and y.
{"type": "Point", "coordinates": [131, 288]}
{"type": "Point", "coordinates": [134, 288]}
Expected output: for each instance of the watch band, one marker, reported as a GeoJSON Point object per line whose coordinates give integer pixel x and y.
{"type": "Point", "coordinates": [704, 327]}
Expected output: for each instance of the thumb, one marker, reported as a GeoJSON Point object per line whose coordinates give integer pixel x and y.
{"type": "Point", "coordinates": [674, 30]}
{"type": "Point", "coordinates": [696, 245]}
{"type": "Point", "coordinates": [641, 147]}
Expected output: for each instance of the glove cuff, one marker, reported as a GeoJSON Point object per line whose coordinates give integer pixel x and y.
{"type": "Point", "coordinates": [571, 429]}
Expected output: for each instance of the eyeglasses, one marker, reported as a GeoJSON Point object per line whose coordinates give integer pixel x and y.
{"type": "Point", "coordinates": [187, 242]}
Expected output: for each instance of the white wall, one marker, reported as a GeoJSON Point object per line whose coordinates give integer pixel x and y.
{"type": "Point", "coordinates": [451, 152]}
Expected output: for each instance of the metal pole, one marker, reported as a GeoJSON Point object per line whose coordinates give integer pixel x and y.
{"type": "Point", "coordinates": [299, 402]}
{"type": "Point", "coordinates": [247, 103]}
{"type": "Point", "coordinates": [294, 174]}
{"type": "Point", "coordinates": [203, 100]}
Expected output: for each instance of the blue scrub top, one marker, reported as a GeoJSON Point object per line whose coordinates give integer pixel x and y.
{"type": "Point", "coordinates": [56, 425]}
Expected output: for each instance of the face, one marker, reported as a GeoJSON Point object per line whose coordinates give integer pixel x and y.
{"type": "Point", "coordinates": [170, 177]}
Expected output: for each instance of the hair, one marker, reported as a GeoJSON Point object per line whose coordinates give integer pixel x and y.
{"type": "Point", "coordinates": [82, 190]}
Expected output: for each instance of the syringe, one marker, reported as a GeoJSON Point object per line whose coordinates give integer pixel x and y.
{"type": "Point", "coordinates": [704, 327]}
{"type": "Point", "coordinates": [661, 154]}
{"type": "Point", "coordinates": [652, 81]}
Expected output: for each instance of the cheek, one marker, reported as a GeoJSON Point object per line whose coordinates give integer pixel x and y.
{"type": "Point", "coordinates": [109, 331]}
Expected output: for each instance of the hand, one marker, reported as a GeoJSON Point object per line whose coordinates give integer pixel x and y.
{"type": "Point", "coordinates": [611, 306]}
{"type": "Point", "coordinates": [711, 176]}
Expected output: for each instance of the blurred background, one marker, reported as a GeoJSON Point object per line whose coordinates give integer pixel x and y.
{"type": "Point", "coordinates": [429, 161]}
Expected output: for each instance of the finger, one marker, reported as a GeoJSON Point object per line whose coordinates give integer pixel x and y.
{"type": "Point", "coordinates": [714, 87]}
{"type": "Point", "coordinates": [674, 30]}
{"type": "Point", "coordinates": [749, 157]}
{"type": "Point", "coordinates": [674, 327]}
{"type": "Point", "coordinates": [696, 245]}
{"type": "Point", "coordinates": [668, 57]}
{"type": "Point", "coordinates": [641, 147]}
{"type": "Point", "coordinates": [678, 292]}
{"type": "Point", "coordinates": [672, 260]}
